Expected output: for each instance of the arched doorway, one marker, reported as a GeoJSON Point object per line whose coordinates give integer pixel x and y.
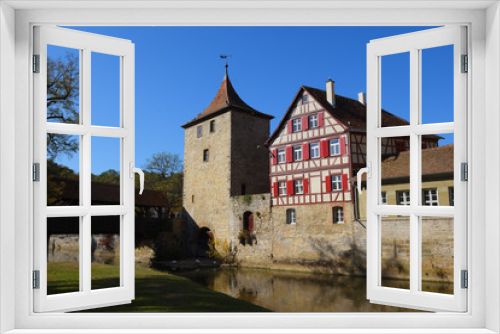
{"type": "Point", "coordinates": [204, 237]}
{"type": "Point", "coordinates": [248, 221]}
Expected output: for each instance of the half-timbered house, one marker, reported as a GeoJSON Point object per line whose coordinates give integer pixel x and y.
{"type": "Point", "coordinates": [318, 146]}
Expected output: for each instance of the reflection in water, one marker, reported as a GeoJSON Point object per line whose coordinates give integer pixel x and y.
{"type": "Point", "coordinates": [298, 292]}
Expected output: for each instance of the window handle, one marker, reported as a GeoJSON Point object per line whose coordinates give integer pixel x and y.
{"type": "Point", "coordinates": [362, 171]}
{"type": "Point", "coordinates": [139, 171]}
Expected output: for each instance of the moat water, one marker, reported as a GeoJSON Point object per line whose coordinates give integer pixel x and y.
{"type": "Point", "coordinates": [282, 291]}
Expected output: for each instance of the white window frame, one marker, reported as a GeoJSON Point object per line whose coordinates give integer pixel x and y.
{"type": "Point", "coordinates": [296, 125]}
{"type": "Point", "coordinates": [297, 153]}
{"type": "Point", "coordinates": [298, 187]}
{"type": "Point", "coordinates": [334, 147]}
{"type": "Point", "coordinates": [338, 215]}
{"type": "Point", "coordinates": [314, 150]}
{"type": "Point", "coordinates": [313, 121]}
{"type": "Point", "coordinates": [16, 18]}
{"type": "Point", "coordinates": [291, 216]}
{"type": "Point", "coordinates": [281, 188]}
{"type": "Point", "coordinates": [406, 197]}
{"type": "Point", "coordinates": [336, 182]}
{"type": "Point", "coordinates": [432, 192]}
{"type": "Point", "coordinates": [281, 156]}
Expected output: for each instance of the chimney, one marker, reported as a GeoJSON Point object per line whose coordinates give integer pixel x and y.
{"type": "Point", "coordinates": [362, 98]}
{"type": "Point", "coordinates": [330, 92]}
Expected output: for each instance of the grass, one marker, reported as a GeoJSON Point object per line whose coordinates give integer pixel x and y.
{"type": "Point", "coordinates": [154, 291]}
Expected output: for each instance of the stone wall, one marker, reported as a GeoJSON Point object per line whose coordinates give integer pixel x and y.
{"type": "Point", "coordinates": [260, 250]}
{"type": "Point", "coordinates": [249, 156]}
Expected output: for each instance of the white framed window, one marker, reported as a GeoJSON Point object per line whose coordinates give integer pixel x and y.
{"type": "Point", "coordinates": [403, 197]}
{"type": "Point", "coordinates": [473, 320]}
{"type": "Point", "coordinates": [291, 217]}
{"type": "Point", "coordinates": [297, 153]}
{"type": "Point", "coordinates": [336, 182]}
{"type": "Point", "coordinates": [297, 125]}
{"type": "Point", "coordinates": [305, 99]}
{"type": "Point", "coordinates": [430, 197]}
{"type": "Point", "coordinates": [88, 213]}
{"type": "Point", "coordinates": [314, 150]}
{"type": "Point", "coordinates": [298, 186]}
{"type": "Point", "coordinates": [383, 198]}
{"type": "Point", "coordinates": [334, 147]}
{"type": "Point", "coordinates": [338, 215]}
{"type": "Point", "coordinates": [415, 45]}
{"type": "Point", "coordinates": [282, 188]}
{"type": "Point", "coordinates": [281, 156]}
{"type": "Point", "coordinates": [313, 121]}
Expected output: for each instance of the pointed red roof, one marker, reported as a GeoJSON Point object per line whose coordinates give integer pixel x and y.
{"type": "Point", "coordinates": [226, 99]}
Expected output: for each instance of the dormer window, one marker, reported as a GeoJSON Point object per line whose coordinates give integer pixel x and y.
{"type": "Point", "coordinates": [296, 125]}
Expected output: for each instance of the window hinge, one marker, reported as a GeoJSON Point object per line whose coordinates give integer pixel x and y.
{"type": "Point", "coordinates": [465, 64]}
{"type": "Point", "coordinates": [36, 63]}
{"type": "Point", "coordinates": [464, 171]}
{"type": "Point", "coordinates": [465, 279]}
{"type": "Point", "coordinates": [36, 279]}
{"type": "Point", "coordinates": [36, 172]}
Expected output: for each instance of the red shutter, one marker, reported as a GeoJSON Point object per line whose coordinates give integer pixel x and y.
{"type": "Point", "coordinates": [323, 148]}
{"type": "Point", "coordinates": [328, 181]}
{"type": "Point", "coordinates": [305, 151]}
{"type": "Point", "coordinates": [320, 119]}
{"type": "Point", "coordinates": [289, 154]}
{"type": "Point", "coordinates": [342, 145]}
{"type": "Point", "coordinates": [289, 126]}
{"type": "Point", "coordinates": [345, 184]}
{"type": "Point", "coordinates": [305, 123]}
{"type": "Point", "coordinates": [289, 187]}
{"type": "Point", "coordinates": [275, 189]}
{"type": "Point", "coordinates": [306, 186]}
{"type": "Point", "coordinates": [275, 157]}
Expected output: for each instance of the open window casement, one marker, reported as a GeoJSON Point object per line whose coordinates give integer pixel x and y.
{"type": "Point", "coordinates": [418, 214]}
{"type": "Point", "coordinates": [63, 57]}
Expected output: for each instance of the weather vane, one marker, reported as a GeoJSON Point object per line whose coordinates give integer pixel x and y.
{"type": "Point", "coordinates": [225, 57]}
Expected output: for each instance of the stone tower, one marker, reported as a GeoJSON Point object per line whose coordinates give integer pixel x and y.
{"type": "Point", "coordinates": [224, 156]}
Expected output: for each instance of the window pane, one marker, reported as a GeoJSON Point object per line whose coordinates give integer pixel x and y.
{"type": "Point", "coordinates": [437, 169]}
{"type": "Point", "coordinates": [105, 171]}
{"type": "Point", "coordinates": [437, 84]}
{"type": "Point", "coordinates": [437, 254]}
{"type": "Point", "coordinates": [395, 250]}
{"type": "Point", "coordinates": [105, 252]}
{"type": "Point", "coordinates": [395, 90]}
{"type": "Point", "coordinates": [105, 90]}
{"type": "Point", "coordinates": [395, 170]}
{"type": "Point", "coordinates": [63, 85]}
{"type": "Point", "coordinates": [63, 255]}
{"type": "Point", "coordinates": [63, 170]}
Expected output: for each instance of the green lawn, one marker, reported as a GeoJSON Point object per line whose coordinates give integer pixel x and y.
{"type": "Point", "coordinates": [154, 291]}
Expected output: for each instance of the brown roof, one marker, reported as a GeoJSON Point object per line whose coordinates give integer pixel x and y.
{"type": "Point", "coordinates": [225, 99]}
{"type": "Point", "coordinates": [347, 111]}
{"type": "Point", "coordinates": [109, 193]}
{"type": "Point", "coordinates": [437, 160]}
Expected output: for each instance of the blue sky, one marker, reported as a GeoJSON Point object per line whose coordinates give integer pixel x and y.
{"type": "Point", "coordinates": [178, 72]}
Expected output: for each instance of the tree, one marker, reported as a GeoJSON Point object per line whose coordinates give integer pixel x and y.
{"type": "Point", "coordinates": [63, 90]}
{"type": "Point", "coordinates": [164, 173]}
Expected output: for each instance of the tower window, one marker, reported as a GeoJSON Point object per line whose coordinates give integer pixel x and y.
{"type": "Point", "coordinates": [291, 217]}
{"type": "Point", "coordinates": [205, 155]}
{"type": "Point", "coordinates": [338, 215]}
{"type": "Point", "coordinates": [199, 131]}
{"type": "Point", "coordinates": [212, 126]}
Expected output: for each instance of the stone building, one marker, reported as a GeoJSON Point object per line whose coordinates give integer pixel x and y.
{"type": "Point", "coordinates": [224, 157]}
